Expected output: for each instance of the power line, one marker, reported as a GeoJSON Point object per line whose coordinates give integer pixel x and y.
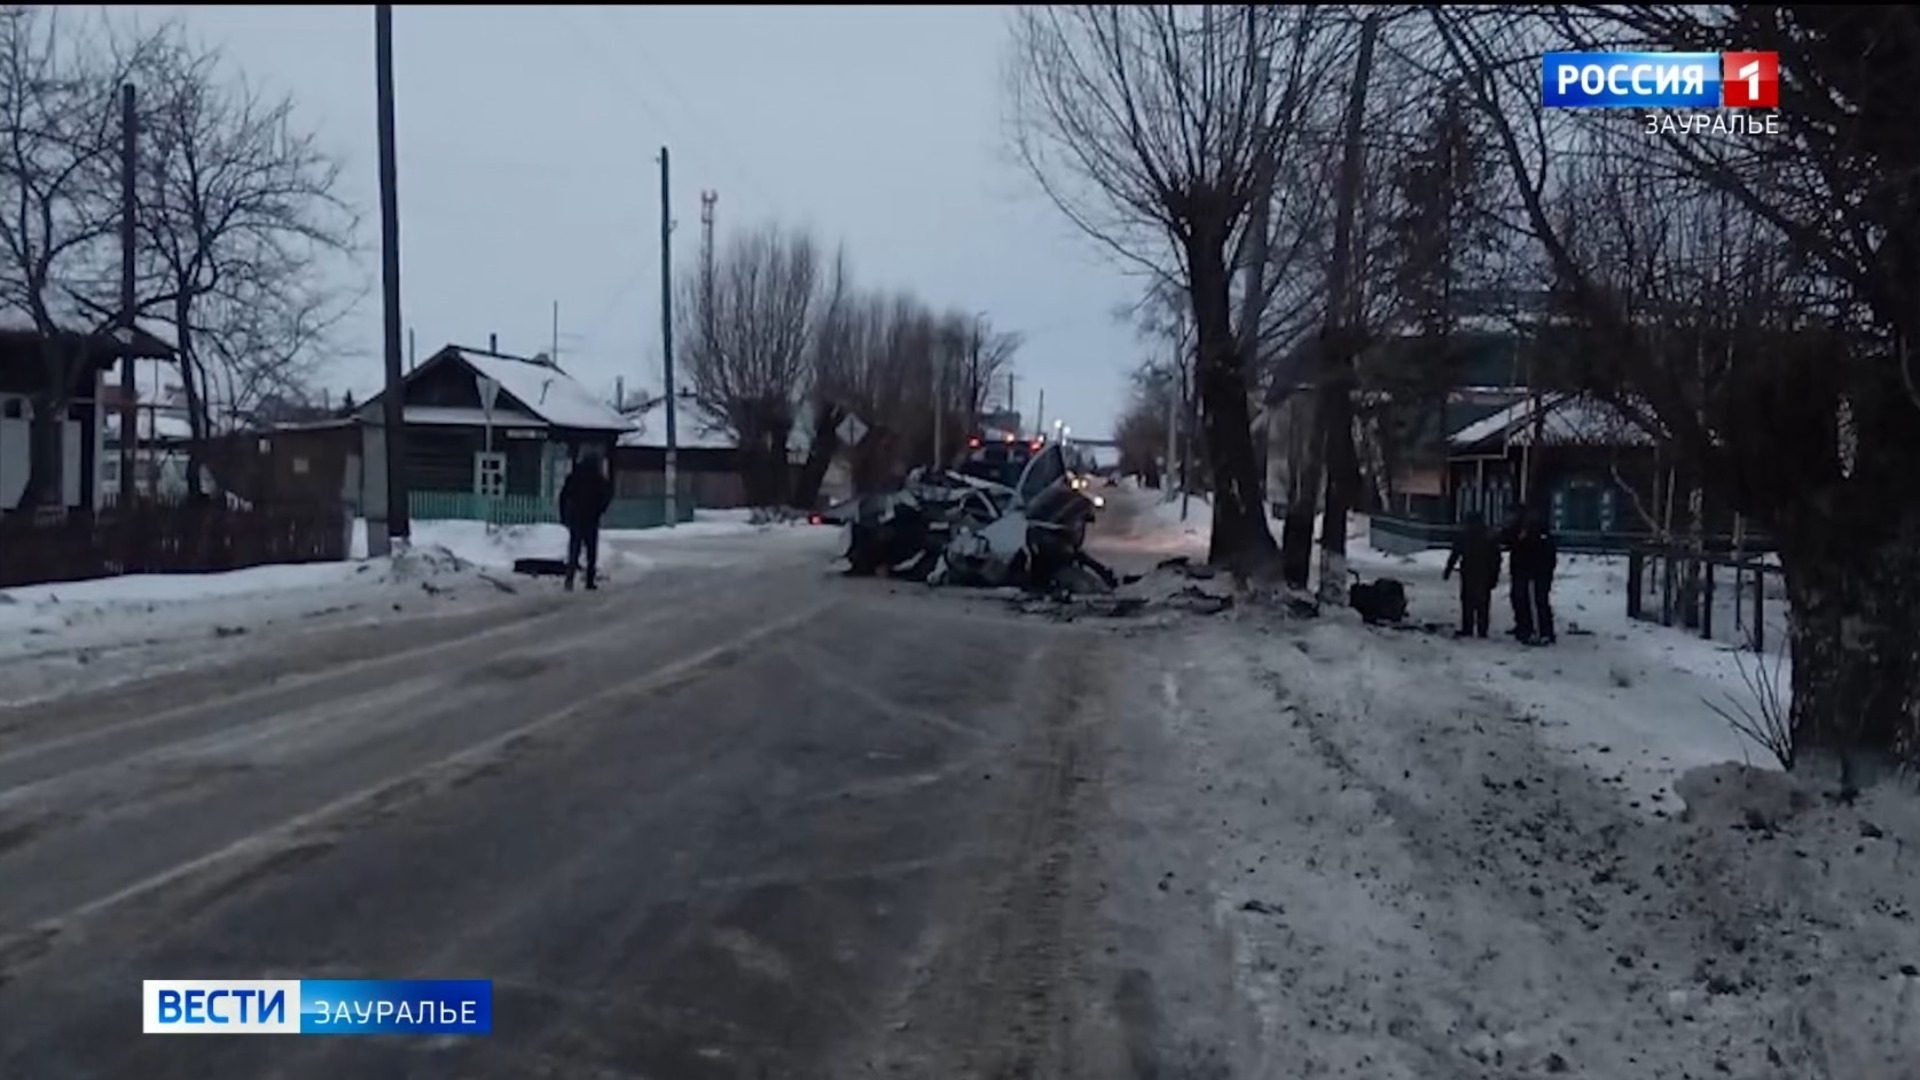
{"type": "Point", "coordinates": [708, 130]}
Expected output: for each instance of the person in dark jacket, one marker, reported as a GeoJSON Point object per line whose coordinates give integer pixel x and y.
{"type": "Point", "coordinates": [1535, 555]}
{"type": "Point", "coordinates": [1476, 554]}
{"type": "Point", "coordinates": [1518, 594]}
{"type": "Point", "coordinates": [584, 499]}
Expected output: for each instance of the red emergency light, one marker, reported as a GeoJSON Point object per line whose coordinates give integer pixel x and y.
{"type": "Point", "coordinates": [973, 441]}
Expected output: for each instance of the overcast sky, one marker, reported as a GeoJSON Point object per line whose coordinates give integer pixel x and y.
{"type": "Point", "coordinates": [528, 140]}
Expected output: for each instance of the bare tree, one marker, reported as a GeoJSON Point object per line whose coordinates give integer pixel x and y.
{"type": "Point", "coordinates": [241, 219]}
{"type": "Point", "coordinates": [1157, 130]}
{"type": "Point", "coordinates": [750, 339]}
{"type": "Point", "coordinates": [829, 368]}
{"type": "Point", "coordinates": [59, 136]}
{"type": "Point", "coordinates": [1817, 437]}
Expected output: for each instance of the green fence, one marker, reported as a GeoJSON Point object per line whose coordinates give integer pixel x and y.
{"type": "Point", "coordinates": [636, 513]}
{"type": "Point", "coordinates": [1404, 536]}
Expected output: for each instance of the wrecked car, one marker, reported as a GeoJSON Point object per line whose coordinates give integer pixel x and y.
{"type": "Point", "coordinates": [947, 528]}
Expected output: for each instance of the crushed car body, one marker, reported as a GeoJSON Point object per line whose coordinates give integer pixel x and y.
{"type": "Point", "coordinates": [946, 528]}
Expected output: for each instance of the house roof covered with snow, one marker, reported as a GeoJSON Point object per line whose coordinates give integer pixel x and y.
{"type": "Point", "coordinates": [1561, 419]}
{"type": "Point", "coordinates": [536, 387]}
{"type": "Point", "coordinates": [692, 430]}
{"type": "Point", "coordinates": [546, 391]}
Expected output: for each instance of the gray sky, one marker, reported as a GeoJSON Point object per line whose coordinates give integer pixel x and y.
{"type": "Point", "coordinates": [528, 138]}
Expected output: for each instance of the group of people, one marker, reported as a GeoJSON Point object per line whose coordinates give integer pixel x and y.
{"type": "Point", "coordinates": [1532, 557]}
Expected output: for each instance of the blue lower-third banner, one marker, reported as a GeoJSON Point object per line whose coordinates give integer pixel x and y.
{"type": "Point", "coordinates": [317, 1006]}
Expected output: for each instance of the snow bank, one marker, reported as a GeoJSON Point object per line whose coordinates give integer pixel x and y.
{"type": "Point", "coordinates": [56, 639]}
{"type": "Point", "coordinates": [1626, 694]}
{"type": "Point", "coordinates": [1417, 876]}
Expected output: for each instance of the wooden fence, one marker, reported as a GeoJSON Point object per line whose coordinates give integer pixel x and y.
{"type": "Point", "coordinates": [1717, 595]}
{"type": "Point", "coordinates": [167, 537]}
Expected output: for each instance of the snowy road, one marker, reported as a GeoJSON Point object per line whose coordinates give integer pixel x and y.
{"type": "Point", "coordinates": [746, 819]}
{"type": "Point", "coordinates": [710, 824]}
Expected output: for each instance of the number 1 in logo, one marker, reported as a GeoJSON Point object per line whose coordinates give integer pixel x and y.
{"type": "Point", "coordinates": [1750, 80]}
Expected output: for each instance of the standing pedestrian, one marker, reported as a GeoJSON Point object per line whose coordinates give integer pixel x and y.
{"type": "Point", "coordinates": [584, 499]}
{"type": "Point", "coordinates": [1519, 592]}
{"type": "Point", "coordinates": [1476, 554]}
{"type": "Point", "coordinates": [1539, 551]}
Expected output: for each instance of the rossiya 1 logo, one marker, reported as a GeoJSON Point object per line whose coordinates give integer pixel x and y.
{"type": "Point", "coordinates": [1651, 80]}
{"type": "Point", "coordinates": [1657, 84]}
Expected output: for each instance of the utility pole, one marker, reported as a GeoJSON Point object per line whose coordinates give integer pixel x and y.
{"type": "Point", "coordinates": [129, 389]}
{"type": "Point", "coordinates": [553, 354]}
{"type": "Point", "coordinates": [395, 428]}
{"type": "Point", "coordinates": [1173, 428]}
{"type": "Point", "coordinates": [1189, 399]}
{"type": "Point", "coordinates": [1040, 414]}
{"type": "Point", "coordinates": [412, 360]}
{"type": "Point", "coordinates": [939, 410]}
{"type": "Point", "coordinates": [666, 338]}
{"type": "Point", "coordinates": [708, 200]}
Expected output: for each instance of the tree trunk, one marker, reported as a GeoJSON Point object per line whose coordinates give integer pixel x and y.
{"type": "Point", "coordinates": [1343, 474]}
{"type": "Point", "coordinates": [1240, 537]}
{"type": "Point", "coordinates": [196, 404]}
{"type": "Point", "coordinates": [1855, 634]}
{"type": "Point", "coordinates": [820, 450]}
{"type": "Point", "coordinates": [1335, 414]}
{"type": "Point", "coordinates": [778, 468]}
{"type": "Point", "coordinates": [1303, 502]}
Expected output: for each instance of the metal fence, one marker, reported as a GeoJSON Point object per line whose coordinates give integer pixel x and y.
{"type": "Point", "coordinates": [180, 536]}
{"type": "Point", "coordinates": [629, 513]}
{"type": "Point", "coordinates": [1742, 600]}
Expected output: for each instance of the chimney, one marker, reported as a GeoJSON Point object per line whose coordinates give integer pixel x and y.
{"type": "Point", "coordinates": [493, 343]}
{"type": "Point", "coordinates": [619, 393]}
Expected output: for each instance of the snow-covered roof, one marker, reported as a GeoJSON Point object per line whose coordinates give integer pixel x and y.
{"type": "Point", "coordinates": [548, 392]}
{"type": "Point", "coordinates": [690, 433]}
{"type": "Point", "coordinates": [1563, 419]}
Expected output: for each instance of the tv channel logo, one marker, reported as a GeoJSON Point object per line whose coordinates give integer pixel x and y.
{"type": "Point", "coordinates": [1648, 80]}
{"type": "Point", "coordinates": [317, 1006]}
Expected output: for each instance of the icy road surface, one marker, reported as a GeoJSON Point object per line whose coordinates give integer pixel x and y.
{"type": "Point", "coordinates": [748, 819]}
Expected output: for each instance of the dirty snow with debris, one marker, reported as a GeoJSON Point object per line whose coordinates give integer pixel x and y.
{"type": "Point", "coordinates": [1424, 857]}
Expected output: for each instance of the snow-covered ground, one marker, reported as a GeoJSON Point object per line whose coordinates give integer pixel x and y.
{"type": "Point", "coordinates": [56, 639]}
{"type": "Point", "coordinates": [1443, 858]}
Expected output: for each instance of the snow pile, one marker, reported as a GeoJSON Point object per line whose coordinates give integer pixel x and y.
{"type": "Point", "coordinates": [1417, 877]}
{"type": "Point", "coordinates": [56, 639]}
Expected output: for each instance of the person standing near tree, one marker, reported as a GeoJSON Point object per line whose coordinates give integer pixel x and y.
{"type": "Point", "coordinates": [1476, 554]}
{"type": "Point", "coordinates": [1511, 540]}
{"type": "Point", "coordinates": [1539, 552]}
{"type": "Point", "coordinates": [584, 499]}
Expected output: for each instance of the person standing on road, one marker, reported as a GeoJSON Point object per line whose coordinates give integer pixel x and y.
{"type": "Point", "coordinates": [584, 499]}
{"type": "Point", "coordinates": [1539, 552]}
{"type": "Point", "coordinates": [1476, 554]}
{"type": "Point", "coordinates": [1518, 595]}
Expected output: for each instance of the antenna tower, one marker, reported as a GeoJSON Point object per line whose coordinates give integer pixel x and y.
{"type": "Point", "coordinates": [707, 201]}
